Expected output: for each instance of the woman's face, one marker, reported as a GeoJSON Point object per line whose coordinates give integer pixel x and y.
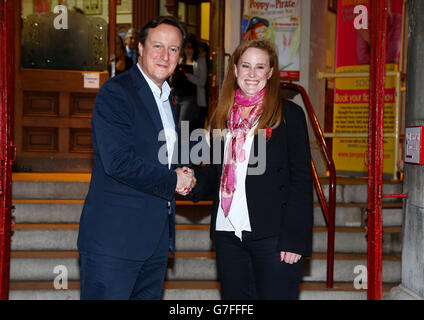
{"type": "Point", "coordinates": [188, 50]}
{"type": "Point", "coordinates": [119, 52]}
{"type": "Point", "coordinates": [253, 71]}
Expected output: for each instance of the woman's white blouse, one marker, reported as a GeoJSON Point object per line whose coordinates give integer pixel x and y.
{"type": "Point", "coordinates": [238, 216]}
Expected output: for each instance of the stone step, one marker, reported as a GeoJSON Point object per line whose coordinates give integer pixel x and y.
{"type": "Point", "coordinates": [188, 290]}
{"type": "Point", "coordinates": [192, 266]}
{"type": "Point", "coordinates": [69, 211]}
{"type": "Point", "coordinates": [63, 237]}
{"type": "Point", "coordinates": [47, 211]}
{"type": "Point", "coordinates": [183, 290]}
{"type": "Point", "coordinates": [355, 215]}
{"type": "Point", "coordinates": [357, 191]}
{"type": "Point", "coordinates": [66, 190]}
{"type": "Point", "coordinates": [48, 208]}
{"type": "Point", "coordinates": [354, 240]}
{"type": "Point", "coordinates": [75, 186]}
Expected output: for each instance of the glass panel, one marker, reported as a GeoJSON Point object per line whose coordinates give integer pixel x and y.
{"type": "Point", "coordinates": [67, 39]}
{"type": "Point", "coordinates": [192, 14]}
{"type": "Point", "coordinates": [205, 21]}
{"type": "Point", "coordinates": [182, 11]}
{"type": "Point", "coordinates": [192, 30]}
{"type": "Point", "coordinates": [98, 8]}
{"type": "Point", "coordinates": [92, 6]}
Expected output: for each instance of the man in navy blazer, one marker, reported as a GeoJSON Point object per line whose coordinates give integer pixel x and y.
{"type": "Point", "coordinates": [127, 225]}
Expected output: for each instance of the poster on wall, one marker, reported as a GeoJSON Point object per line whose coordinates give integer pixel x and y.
{"type": "Point", "coordinates": [351, 95]}
{"type": "Point", "coordinates": [123, 6]}
{"type": "Point", "coordinates": [278, 21]}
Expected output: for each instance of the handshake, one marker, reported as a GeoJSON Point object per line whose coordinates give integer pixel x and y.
{"type": "Point", "coordinates": [186, 180]}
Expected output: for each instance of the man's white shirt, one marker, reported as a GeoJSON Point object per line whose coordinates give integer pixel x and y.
{"type": "Point", "coordinates": [161, 96]}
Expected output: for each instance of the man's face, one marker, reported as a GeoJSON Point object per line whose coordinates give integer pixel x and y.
{"type": "Point", "coordinates": [159, 56]}
{"type": "Point", "coordinates": [131, 41]}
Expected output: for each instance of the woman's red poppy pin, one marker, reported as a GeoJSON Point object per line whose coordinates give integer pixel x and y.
{"type": "Point", "coordinates": [268, 132]}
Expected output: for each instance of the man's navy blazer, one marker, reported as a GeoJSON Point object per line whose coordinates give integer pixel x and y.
{"type": "Point", "coordinates": [127, 206]}
{"type": "Point", "coordinates": [280, 200]}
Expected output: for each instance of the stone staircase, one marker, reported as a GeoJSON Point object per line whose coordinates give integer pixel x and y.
{"type": "Point", "coordinates": [48, 207]}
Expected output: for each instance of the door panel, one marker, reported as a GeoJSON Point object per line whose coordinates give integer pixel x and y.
{"type": "Point", "coordinates": [53, 120]}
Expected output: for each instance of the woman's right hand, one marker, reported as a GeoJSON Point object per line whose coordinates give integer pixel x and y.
{"type": "Point", "coordinates": [289, 257]}
{"type": "Point", "coordinates": [186, 180]}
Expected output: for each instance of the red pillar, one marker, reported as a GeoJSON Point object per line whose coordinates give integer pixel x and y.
{"type": "Point", "coordinates": [6, 132]}
{"type": "Point", "coordinates": [112, 28]}
{"type": "Point", "coordinates": [144, 10]}
{"type": "Point", "coordinates": [375, 147]}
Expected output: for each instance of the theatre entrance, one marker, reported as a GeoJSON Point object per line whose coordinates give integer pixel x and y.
{"type": "Point", "coordinates": [62, 54]}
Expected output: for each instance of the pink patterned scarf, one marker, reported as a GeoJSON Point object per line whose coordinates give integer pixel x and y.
{"type": "Point", "coordinates": [234, 152]}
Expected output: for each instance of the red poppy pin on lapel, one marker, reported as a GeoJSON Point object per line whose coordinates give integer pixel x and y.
{"type": "Point", "coordinates": [268, 132]}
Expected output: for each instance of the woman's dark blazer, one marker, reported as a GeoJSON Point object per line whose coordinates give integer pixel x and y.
{"type": "Point", "coordinates": [280, 201]}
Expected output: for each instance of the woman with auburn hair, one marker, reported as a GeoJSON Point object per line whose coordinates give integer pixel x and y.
{"type": "Point", "coordinates": [272, 114]}
{"type": "Point", "coordinates": [262, 218]}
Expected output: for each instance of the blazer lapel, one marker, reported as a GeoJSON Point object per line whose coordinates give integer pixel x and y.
{"type": "Point", "coordinates": [173, 105]}
{"type": "Point", "coordinates": [253, 151]}
{"type": "Point", "coordinates": [177, 149]}
{"type": "Point", "coordinates": [146, 97]}
{"type": "Point", "coordinates": [221, 143]}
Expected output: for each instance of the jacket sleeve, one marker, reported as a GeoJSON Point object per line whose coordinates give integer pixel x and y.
{"type": "Point", "coordinates": [297, 224]}
{"type": "Point", "coordinates": [207, 179]}
{"type": "Point", "coordinates": [206, 176]}
{"type": "Point", "coordinates": [114, 134]}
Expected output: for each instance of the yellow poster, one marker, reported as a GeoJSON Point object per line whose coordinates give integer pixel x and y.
{"type": "Point", "coordinates": [351, 109]}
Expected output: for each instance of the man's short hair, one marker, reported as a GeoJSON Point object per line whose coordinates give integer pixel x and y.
{"type": "Point", "coordinates": [131, 31]}
{"type": "Point", "coordinates": [155, 22]}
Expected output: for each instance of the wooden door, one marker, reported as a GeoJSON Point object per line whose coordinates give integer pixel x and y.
{"type": "Point", "coordinates": [217, 36]}
{"type": "Point", "coordinates": [143, 11]}
{"type": "Point", "coordinates": [53, 120]}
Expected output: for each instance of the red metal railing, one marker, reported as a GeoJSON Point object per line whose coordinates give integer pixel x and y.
{"type": "Point", "coordinates": [329, 209]}
{"type": "Point", "coordinates": [7, 149]}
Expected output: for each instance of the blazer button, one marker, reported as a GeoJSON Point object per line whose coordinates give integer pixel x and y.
{"type": "Point", "coordinates": [282, 188]}
{"type": "Point", "coordinates": [283, 205]}
{"type": "Point", "coordinates": [279, 170]}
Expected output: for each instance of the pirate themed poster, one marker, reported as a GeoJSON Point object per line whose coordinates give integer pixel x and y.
{"type": "Point", "coordinates": [277, 21]}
